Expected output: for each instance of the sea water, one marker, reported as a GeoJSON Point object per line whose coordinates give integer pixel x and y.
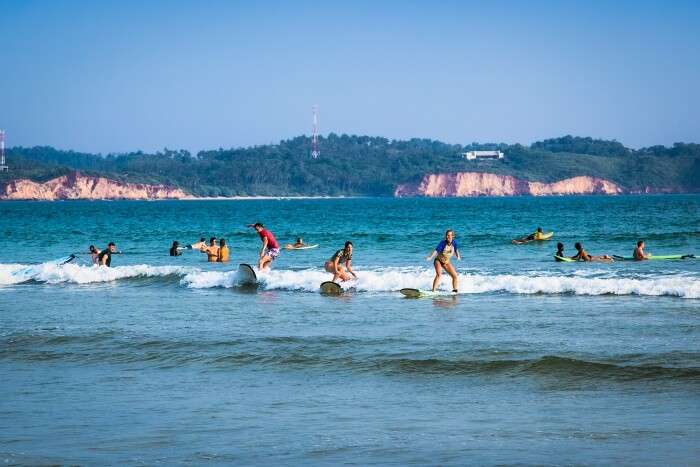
{"type": "Point", "coordinates": [167, 360]}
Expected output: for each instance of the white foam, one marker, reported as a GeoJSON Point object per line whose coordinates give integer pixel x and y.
{"type": "Point", "coordinates": [394, 279]}
{"type": "Point", "coordinates": [377, 280]}
{"type": "Point", "coordinates": [52, 273]}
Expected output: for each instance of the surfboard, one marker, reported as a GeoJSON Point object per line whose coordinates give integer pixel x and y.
{"type": "Point", "coordinates": [246, 275]}
{"type": "Point", "coordinates": [416, 293]}
{"type": "Point", "coordinates": [653, 257]}
{"type": "Point", "coordinates": [56, 262]}
{"type": "Point", "coordinates": [331, 288]}
{"type": "Point", "coordinates": [563, 259]}
{"type": "Point", "coordinates": [305, 247]}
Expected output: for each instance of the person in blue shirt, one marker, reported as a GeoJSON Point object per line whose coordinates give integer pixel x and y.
{"type": "Point", "coordinates": [442, 254]}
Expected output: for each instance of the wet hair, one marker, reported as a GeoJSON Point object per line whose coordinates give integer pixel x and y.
{"type": "Point", "coordinates": [539, 229]}
{"type": "Point", "coordinates": [110, 244]}
{"type": "Point", "coordinates": [300, 240]}
{"type": "Point", "coordinates": [175, 243]}
{"type": "Point", "coordinates": [92, 249]}
{"type": "Point", "coordinates": [640, 242]}
{"type": "Point", "coordinates": [222, 241]}
{"type": "Point", "coordinates": [578, 246]}
{"type": "Point", "coordinates": [212, 239]}
{"type": "Point", "coordinates": [202, 239]}
{"type": "Point", "coordinates": [347, 244]}
{"type": "Point", "coordinates": [258, 224]}
{"type": "Point", "coordinates": [448, 231]}
{"type": "Point", "coordinates": [560, 246]}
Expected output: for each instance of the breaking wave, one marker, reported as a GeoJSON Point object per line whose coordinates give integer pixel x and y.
{"type": "Point", "coordinates": [371, 281]}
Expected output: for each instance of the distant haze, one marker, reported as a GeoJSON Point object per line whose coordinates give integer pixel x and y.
{"type": "Point", "coordinates": [121, 76]}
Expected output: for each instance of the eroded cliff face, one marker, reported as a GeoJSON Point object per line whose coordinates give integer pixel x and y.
{"type": "Point", "coordinates": [77, 186]}
{"type": "Point", "coordinates": [487, 184]}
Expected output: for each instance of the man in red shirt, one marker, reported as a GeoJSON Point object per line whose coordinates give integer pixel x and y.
{"type": "Point", "coordinates": [270, 248]}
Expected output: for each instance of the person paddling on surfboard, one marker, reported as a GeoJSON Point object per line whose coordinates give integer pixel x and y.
{"type": "Point", "coordinates": [537, 235]}
{"type": "Point", "coordinates": [639, 254]}
{"type": "Point", "coordinates": [298, 244]}
{"type": "Point", "coordinates": [442, 254]}
{"type": "Point", "coordinates": [582, 255]}
{"type": "Point", "coordinates": [335, 267]}
{"type": "Point", "coordinates": [269, 250]}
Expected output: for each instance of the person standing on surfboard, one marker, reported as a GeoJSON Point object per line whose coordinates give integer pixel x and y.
{"type": "Point", "coordinates": [442, 254]}
{"type": "Point", "coordinates": [269, 250]}
{"type": "Point", "coordinates": [335, 267]}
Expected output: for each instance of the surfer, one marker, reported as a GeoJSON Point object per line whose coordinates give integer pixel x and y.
{"type": "Point", "coordinates": [223, 251]}
{"type": "Point", "coordinates": [298, 244]}
{"type": "Point", "coordinates": [582, 255]}
{"type": "Point", "coordinates": [335, 264]}
{"type": "Point", "coordinates": [560, 250]}
{"type": "Point", "coordinates": [175, 249]}
{"type": "Point", "coordinates": [639, 254]}
{"type": "Point", "coordinates": [269, 250]}
{"type": "Point", "coordinates": [104, 258]}
{"type": "Point", "coordinates": [94, 253]}
{"type": "Point", "coordinates": [212, 251]}
{"type": "Point", "coordinates": [442, 254]}
{"type": "Point", "coordinates": [537, 235]}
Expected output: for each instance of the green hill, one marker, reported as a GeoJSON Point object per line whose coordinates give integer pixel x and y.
{"type": "Point", "coordinates": [363, 165]}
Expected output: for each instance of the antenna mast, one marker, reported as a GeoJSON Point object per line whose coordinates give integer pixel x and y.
{"type": "Point", "coordinates": [314, 133]}
{"type": "Point", "coordinates": [3, 167]}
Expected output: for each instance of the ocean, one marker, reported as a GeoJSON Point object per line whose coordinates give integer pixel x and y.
{"type": "Point", "coordinates": [165, 360]}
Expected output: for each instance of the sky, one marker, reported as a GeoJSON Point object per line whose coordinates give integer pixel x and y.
{"type": "Point", "coordinates": [128, 75]}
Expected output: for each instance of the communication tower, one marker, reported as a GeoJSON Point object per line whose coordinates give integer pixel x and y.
{"type": "Point", "coordinates": [314, 133]}
{"type": "Point", "coordinates": [3, 167]}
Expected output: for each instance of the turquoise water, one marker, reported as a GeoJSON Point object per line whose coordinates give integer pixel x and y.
{"type": "Point", "coordinates": [163, 360]}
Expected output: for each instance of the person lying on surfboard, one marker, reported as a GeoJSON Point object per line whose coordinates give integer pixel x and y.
{"type": "Point", "coordinates": [298, 244]}
{"type": "Point", "coordinates": [582, 255]}
{"type": "Point", "coordinates": [442, 254]}
{"type": "Point", "coordinates": [537, 235]}
{"type": "Point", "coordinates": [639, 254]}
{"type": "Point", "coordinates": [335, 266]}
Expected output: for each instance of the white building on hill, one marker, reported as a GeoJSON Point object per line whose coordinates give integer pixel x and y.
{"type": "Point", "coordinates": [477, 155]}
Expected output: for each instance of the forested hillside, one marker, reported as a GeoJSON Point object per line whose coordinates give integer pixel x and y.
{"type": "Point", "coordinates": [363, 165]}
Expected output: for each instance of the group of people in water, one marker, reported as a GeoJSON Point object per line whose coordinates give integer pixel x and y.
{"type": "Point", "coordinates": [340, 264]}
{"type": "Point", "coordinates": [582, 255]}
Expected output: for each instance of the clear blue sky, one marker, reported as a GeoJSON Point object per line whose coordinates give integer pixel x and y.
{"type": "Point", "coordinates": [118, 76]}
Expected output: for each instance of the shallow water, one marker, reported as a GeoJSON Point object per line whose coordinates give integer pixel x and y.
{"type": "Point", "coordinates": [163, 360]}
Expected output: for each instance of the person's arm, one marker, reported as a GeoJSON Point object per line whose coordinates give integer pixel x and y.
{"type": "Point", "coordinates": [103, 260]}
{"type": "Point", "coordinates": [264, 245]}
{"type": "Point", "coordinates": [459, 257]}
{"type": "Point", "coordinates": [434, 253]}
{"type": "Point", "coordinates": [348, 266]}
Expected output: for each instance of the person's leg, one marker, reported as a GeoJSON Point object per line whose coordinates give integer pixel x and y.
{"type": "Point", "coordinates": [340, 274]}
{"type": "Point", "coordinates": [451, 271]}
{"type": "Point", "coordinates": [265, 262]}
{"type": "Point", "coordinates": [438, 271]}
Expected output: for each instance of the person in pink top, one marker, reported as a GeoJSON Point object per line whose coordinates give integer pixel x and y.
{"type": "Point", "coordinates": [270, 248]}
